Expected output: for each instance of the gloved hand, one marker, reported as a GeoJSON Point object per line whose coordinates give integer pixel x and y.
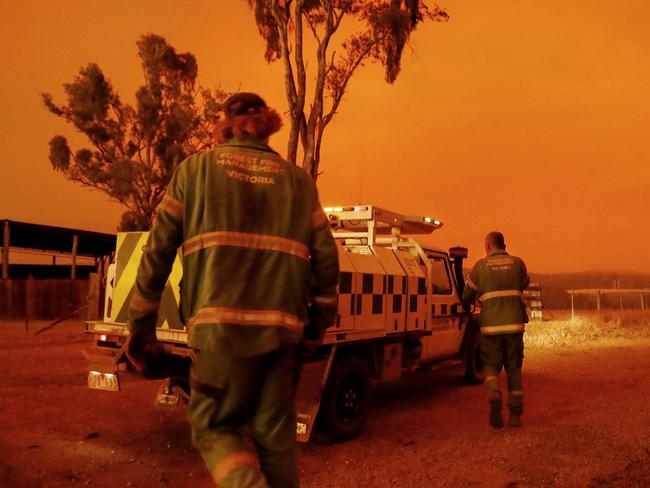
{"type": "Point", "coordinates": [312, 336]}
{"type": "Point", "coordinates": [307, 348]}
{"type": "Point", "coordinates": [149, 358]}
{"type": "Point", "coordinates": [142, 350]}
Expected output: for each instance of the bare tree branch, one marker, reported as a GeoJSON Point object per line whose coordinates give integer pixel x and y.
{"type": "Point", "coordinates": [386, 29]}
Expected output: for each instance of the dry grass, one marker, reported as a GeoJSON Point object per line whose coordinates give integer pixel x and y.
{"type": "Point", "coordinates": [587, 326]}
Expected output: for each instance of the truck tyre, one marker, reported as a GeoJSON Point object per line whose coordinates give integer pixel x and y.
{"type": "Point", "coordinates": [473, 364]}
{"type": "Point", "coordinates": [344, 406]}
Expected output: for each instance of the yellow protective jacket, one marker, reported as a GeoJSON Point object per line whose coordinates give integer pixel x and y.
{"type": "Point", "coordinates": [498, 281]}
{"type": "Point", "coordinates": [257, 252]}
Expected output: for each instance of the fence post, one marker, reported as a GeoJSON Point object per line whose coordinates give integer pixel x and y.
{"type": "Point", "coordinates": [6, 299]}
{"type": "Point", "coordinates": [73, 270]}
{"type": "Point", "coordinates": [29, 301]}
{"type": "Point", "coordinates": [5, 251]}
{"type": "Point", "coordinates": [94, 283]}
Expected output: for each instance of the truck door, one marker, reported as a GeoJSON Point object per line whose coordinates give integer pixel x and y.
{"type": "Point", "coordinates": [446, 335]}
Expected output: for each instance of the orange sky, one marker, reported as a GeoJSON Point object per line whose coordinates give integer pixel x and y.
{"type": "Point", "coordinates": [529, 117]}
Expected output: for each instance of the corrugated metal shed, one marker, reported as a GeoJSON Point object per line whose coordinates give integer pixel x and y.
{"type": "Point", "coordinates": [54, 240]}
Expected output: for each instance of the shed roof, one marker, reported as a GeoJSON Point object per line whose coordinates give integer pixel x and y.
{"type": "Point", "coordinates": [58, 239]}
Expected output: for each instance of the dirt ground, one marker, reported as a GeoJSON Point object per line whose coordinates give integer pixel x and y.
{"type": "Point", "coordinates": [587, 421]}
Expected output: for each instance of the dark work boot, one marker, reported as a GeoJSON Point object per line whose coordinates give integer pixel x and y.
{"type": "Point", "coordinates": [516, 407]}
{"type": "Point", "coordinates": [514, 419]}
{"type": "Point", "coordinates": [495, 417]}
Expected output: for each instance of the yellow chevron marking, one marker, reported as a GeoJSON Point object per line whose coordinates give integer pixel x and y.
{"type": "Point", "coordinates": [120, 240]}
{"type": "Point", "coordinates": [127, 279]}
{"type": "Point", "coordinates": [121, 237]}
{"type": "Point", "coordinates": [175, 278]}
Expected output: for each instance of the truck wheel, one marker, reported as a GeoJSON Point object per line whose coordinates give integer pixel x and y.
{"type": "Point", "coordinates": [344, 406]}
{"type": "Point", "coordinates": [473, 364]}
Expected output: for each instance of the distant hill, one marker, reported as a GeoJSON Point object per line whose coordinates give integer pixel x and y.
{"type": "Point", "coordinates": [555, 286]}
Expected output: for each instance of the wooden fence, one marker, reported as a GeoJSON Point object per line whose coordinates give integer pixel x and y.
{"type": "Point", "coordinates": [42, 299]}
{"type": "Point", "coordinates": [611, 298]}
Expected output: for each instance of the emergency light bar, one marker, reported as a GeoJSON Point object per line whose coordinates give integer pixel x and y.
{"type": "Point", "coordinates": [368, 218]}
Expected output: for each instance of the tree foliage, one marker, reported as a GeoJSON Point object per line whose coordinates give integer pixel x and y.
{"type": "Point", "coordinates": [135, 149]}
{"type": "Point", "coordinates": [383, 30]}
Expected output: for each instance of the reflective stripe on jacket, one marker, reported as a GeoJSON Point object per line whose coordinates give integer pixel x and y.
{"type": "Point", "coordinates": [255, 244]}
{"type": "Point", "coordinates": [497, 281]}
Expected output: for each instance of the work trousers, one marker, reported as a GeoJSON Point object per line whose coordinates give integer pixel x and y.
{"type": "Point", "coordinates": [230, 392]}
{"type": "Point", "coordinates": [500, 351]}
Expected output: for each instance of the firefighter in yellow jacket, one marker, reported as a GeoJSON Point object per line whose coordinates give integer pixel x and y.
{"type": "Point", "coordinates": [260, 270]}
{"type": "Point", "coordinates": [498, 281]}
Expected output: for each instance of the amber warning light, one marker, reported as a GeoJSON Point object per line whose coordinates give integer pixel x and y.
{"type": "Point", "coordinates": [429, 220]}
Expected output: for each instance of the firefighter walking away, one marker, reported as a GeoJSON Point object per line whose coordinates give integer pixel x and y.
{"type": "Point", "coordinates": [497, 281]}
{"type": "Point", "coordinates": [260, 271]}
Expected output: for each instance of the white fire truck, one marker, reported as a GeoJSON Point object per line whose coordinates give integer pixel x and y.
{"type": "Point", "coordinates": [399, 310]}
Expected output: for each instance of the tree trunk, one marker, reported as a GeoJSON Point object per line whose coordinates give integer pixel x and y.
{"type": "Point", "coordinates": [282, 19]}
{"type": "Point", "coordinates": [314, 124]}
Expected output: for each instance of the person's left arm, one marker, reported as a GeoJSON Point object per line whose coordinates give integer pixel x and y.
{"type": "Point", "coordinates": [324, 264]}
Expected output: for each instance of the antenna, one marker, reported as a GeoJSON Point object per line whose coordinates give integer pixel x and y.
{"type": "Point", "coordinates": [361, 178]}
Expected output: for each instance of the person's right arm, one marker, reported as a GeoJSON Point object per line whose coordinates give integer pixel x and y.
{"type": "Point", "coordinates": [470, 291]}
{"type": "Point", "coordinates": [165, 237]}
{"type": "Point", "coordinates": [524, 278]}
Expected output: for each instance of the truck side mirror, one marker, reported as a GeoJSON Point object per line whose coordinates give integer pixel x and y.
{"type": "Point", "coordinates": [458, 254]}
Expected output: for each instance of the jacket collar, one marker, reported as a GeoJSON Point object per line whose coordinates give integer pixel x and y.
{"type": "Point", "coordinates": [249, 143]}
{"type": "Point", "coordinates": [496, 253]}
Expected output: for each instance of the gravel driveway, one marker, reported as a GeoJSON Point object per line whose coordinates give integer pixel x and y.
{"type": "Point", "coordinates": [586, 424]}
